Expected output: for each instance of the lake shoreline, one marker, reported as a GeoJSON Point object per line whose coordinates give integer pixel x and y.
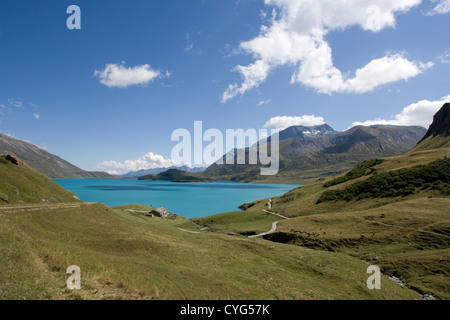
{"type": "Point", "coordinates": [186, 199]}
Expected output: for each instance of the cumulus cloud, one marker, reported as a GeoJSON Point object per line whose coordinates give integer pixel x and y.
{"type": "Point", "coordinates": [118, 75]}
{"type": "Point", "coordinates": [147, 161]}
{"type": "Point", "coordinates": [36, 116]}
{"type": "Point", "coordinates": [253, 74]}
{"type": "Point", "coordinates": [296, 37]}
{"type": "Point", "coordinates": [442, 7]}
{"type": "Point", "coordinates": [416, 114]}
{"type": "Point", "coordinates": [284, 122]}
{"type": "Point", "coordinates": [376, 73]}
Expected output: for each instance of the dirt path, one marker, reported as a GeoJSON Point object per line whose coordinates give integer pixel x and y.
{"type": "Point", "coordinates": [131, 210]}
{"type": "Point", "coordinates": [46, 206]}
{"type": "Point", "coordinates": [274, 225]}
{"type": "Point", "coordinates": [41, 207]}
{"type": "Point", "coordinates": [274, 228]}
{"type": "Point", "coordinates": [276, 214]}
{"type": "Point", "coordinates": [188, 231]}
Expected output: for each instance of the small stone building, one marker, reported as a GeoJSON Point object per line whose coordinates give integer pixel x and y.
{"type": "Point", "coordinates": [160, 212]}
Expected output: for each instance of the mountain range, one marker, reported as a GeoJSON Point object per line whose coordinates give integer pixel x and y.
{"type": "Point", "coordinates": [326, 152]}
{"type": "Point", "coordinates": [306, 132]}
{"type": "Point", "coordinates": [156, 171]}
{"type": "Point", "coordinates": [305, 153]}
{"type": "Point", "coordinates": [44, 162]}
{"type": "Point", "coordinates": [391, 212]}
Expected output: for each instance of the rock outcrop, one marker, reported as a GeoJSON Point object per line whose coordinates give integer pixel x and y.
{"type": "Point", "coordinates": [441, 123]}
{"type": "Point", "coordinates": [13, 159]}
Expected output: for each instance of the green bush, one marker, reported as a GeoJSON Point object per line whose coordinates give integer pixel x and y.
{"type": "Point", "coordinates": [401, 182]}
{"type": "Point", "coordinates": [360, 170]}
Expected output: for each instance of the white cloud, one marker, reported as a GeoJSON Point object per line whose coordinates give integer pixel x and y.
{"type": "Point", "coordinates": [296, 37]}
{"type": "Point", "coordinates": [189, 43]}
{"type": "Point", "coordinates": [15, 103]}
{"type": "Point", "coordinates": [385, 70]}
{"type": "Point", "coordinates": [286, 122]}
{"type": "Point", "coordinates": [147, 161]}
{"type": "Point", "coordinates": [36, 116]}
{"type": "Point", "coordinates": [3, 109]}
{"type": "Point", "coordinates": [117, 75]}
{"type": "Point", "coordinates": [189, 46]}
{"type": "Point", "coordinates": [263, 14]}
{"type": "Point", "coordinates": [442, 7]}
{"type": "Point", "coordinates": [253, 75]}
{"type": "Point", "coordinates": [416, 114]}
{"type": "Point", "coordinates": [262, 102]}
{"type": "Point", "coordinates": [445, 58]}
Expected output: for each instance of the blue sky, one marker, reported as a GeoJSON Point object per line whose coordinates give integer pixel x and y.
{"type": "Point", "coordinates": [113, 92]}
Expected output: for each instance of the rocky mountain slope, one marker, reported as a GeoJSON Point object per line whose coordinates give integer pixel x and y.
{"type": "Point", "coordinates": [304, 157]}
{"type": "Point", "coordinates": [441, 123]}
{"type": "Point", "coordinates": [438, 134]}
{"type": "Point", "coordinates": [44, 162]}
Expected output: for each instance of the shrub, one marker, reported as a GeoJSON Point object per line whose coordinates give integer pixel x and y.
{"type": "Point", "coordinates": [401, 182]}
{"type": "Point", "coordinates": [360, 170]}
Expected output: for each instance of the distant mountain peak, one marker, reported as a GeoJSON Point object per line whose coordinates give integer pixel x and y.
{"type": "Point", "coordinates": [312, 152]}
{"type": "Point", "coordinates": [305, 132]}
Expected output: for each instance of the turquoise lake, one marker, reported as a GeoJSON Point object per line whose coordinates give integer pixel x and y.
{"type": "Point", "coordinates": [190, 200]}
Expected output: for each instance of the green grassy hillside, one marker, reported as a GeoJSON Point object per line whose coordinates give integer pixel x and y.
{"type": "Point", "coordinates": [46, 163]}
{"type": "Point", "coordinates": [176, 175]}
{"type": "Point", "coordinates": [123, 254]}
{"type": "Point", "coordinates": [250, 223]}
{"type": "Point", "coordinates": [129, 256]}
{"type": "Point", "coordinates": [407, 234]}
{"type": "Point", "coordinates": [20, 185]}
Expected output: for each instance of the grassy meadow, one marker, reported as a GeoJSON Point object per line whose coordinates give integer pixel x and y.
{"type": "Point", "coordinates": [129, 256]}
{"type": "Point", "coordinates": [407, 236]}
{"type": "Point", "coordinates": [321, 252]}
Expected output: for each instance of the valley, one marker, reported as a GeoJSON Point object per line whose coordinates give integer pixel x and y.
{"type": "Point", "coordinates": [316, 247]}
